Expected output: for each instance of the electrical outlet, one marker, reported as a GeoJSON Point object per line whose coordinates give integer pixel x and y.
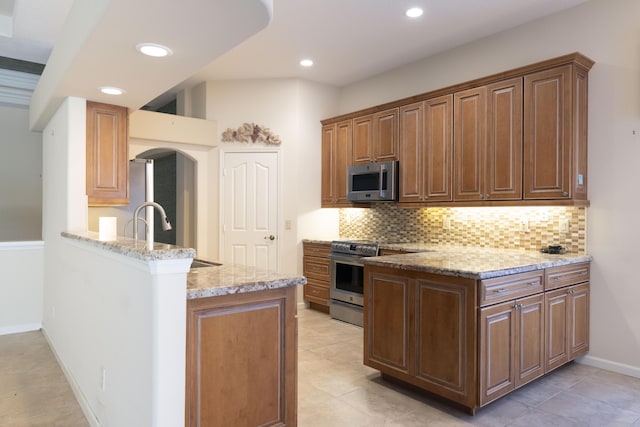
{"type": "Point", "coordinates": [524, 224]}
{"type": "Point", "coordinates": [287, 224]}
{"type": "Point", "coordinates": [564, 226]}
{"type": "Point", "coordinates": [446, 224]}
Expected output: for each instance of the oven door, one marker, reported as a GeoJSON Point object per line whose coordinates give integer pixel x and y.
{"type": "Point", "coordinates": [347, 278]}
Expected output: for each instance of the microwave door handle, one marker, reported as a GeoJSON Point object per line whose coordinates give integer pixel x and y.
{"type": "Point", "coordinates": [383, 169]}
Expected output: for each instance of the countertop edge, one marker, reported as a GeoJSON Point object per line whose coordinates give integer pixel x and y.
{"type": "Point", "coordinates": [249, 286]}
{"type": "Point", "coordinates": [132, 248]}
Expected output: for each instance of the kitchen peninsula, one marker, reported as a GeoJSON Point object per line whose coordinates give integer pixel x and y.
{"type": "Point", "coordinates": [241, 331]}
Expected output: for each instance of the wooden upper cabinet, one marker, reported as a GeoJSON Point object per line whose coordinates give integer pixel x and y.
{"type": "Point", "coordinates": [375, 137]}
{"type": "Point", "coordinates": [438, 144]}
{"type": "Point", "coordinates": [363, 139]}
{"type": "Point", "coordinates": [504, 141]}
{"type": "Point", "coordinates": [327, 155]}
{"type": "Point", "coordinates": [411, 152]}
{"type": "Point", "coordinates": [514, 138]}
{"type": "Point", "coordinates": [425, 150]}
{"type": "Point", "coordinates": [555, 133]}
{"type": "Point", "coordinates": [385, 135]}
{"type": "Point", "coordinates": [469, 135]}
{"type": "Point", "coordinates": [336, 156]}
{"type": "Point", "coordinates": [107, 155]}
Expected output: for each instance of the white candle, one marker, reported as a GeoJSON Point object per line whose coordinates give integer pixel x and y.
{"type": "Point", "coordinates": [107, 228]}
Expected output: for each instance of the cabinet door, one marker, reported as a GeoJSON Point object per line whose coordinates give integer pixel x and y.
{"type": "Point", "coordinates": [412, 160]}
{"type": "Point", "coordinates": [497, 351]}
{"type": "Point", "coordinates": [437, 157]}
{"type": "Point", "coordinates": [578, 320]}
{"type": "Point", "coordinates": [363, 139]}
{"type": "Point", "coordinates": [336, 156]}
{"type": "Point", "coordinates": [385, 135]}
{"type": "Point", "coordinates": [241, 363]}
{"type": "Point", "coordinates": [547, 134]}
{"type": "Point", "coordinates": [469, 137]}
{"type": "Point", "coordinates": [504, 140]}
{"type": "Point", "coordinates": [530, 356]}
{"type": "Point", "coordinates": [557, 315]}
{"type": "Point", "coordinates": [107, 155]}
{"type": "Point", "coordinates": [328, 175]}
{"type": "Point", "coordinates": [387, 324]}
{"type": "Point", "coordinates": [342, 152]}
{"type": "Point", "coordinates": [446, 345]}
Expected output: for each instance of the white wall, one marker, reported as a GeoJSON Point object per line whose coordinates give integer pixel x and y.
{"type": "Point", "coordinates": [107, 315]}
{"type": "Point", "coordinates": [292, 109]}
{"type": "Point", "coordinates": [607, 31]}
{"type": "Point", "coordinates": [20, 177]}
{"type": "Point", "coordinates": [21, 275]}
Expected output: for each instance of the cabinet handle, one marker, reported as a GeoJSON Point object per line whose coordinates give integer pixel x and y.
{"type": "Point", "coordinates": [565, 194]}
{"type": "Point", "coordinates": [501, 290]}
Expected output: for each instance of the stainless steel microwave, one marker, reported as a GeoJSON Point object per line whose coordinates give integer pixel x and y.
{"type": "Point", "coordinates": [372, 182]}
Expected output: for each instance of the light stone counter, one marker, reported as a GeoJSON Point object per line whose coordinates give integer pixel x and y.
{"type": "Point", "coordinates": [229, 279]}
{"type": "Point", "coordinates": [201, 282]}
{"type": "Point", "coordinates": [473, 263]}
{"type": "Point", "coordinates": [465, 261]}
{"type": "Point", "coordinates": [133, 248]}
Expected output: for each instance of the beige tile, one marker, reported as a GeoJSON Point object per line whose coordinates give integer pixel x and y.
{"type": "Point", "coordinates": [587, 412]}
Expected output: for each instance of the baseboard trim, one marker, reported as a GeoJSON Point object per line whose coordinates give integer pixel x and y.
{"type": "Point", "coordinates": [302, 305]}
{"type": "Point", "coordinates": [82, 400]}
{"type": "Point", "coordinates": [620, 368]}
{"type": "Point", "coordinates": [18, 329]}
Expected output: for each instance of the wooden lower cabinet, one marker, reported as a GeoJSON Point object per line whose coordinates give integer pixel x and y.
{"type": "Point", "coordinates": [315, 267]}
{"type": "Point", "coordinates": [419, 328]}
{"type": "Point", "coordinates": [511, 346]}
{"type": "Point", "coordinates": [473, 341]}
{"type": "Point", "coordinates": [567, 325]}
{"type": "Point", "coordinates": [242, 359]}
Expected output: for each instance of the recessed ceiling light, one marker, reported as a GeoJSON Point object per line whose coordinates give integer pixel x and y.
{"type": "Point", "coordinates": [306, 63]}
{"type": "Point", "coordinates": [110, 90]}
{"type": "Point", "coordinates": [414, 12]}
{"type": "Point", "coordinates": [153, 49]}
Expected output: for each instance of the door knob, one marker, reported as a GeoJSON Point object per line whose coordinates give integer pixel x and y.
{"type": "Point", "coordinates": [271, 237]}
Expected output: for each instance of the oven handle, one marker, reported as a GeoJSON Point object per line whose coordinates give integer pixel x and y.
{"type": "Point", "coordinates": [347, 259]}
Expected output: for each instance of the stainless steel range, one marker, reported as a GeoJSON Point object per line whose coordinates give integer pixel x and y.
{"type": "Point", "coordinates": [347, 279]}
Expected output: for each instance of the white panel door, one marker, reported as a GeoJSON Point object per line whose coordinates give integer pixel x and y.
{"type": "Point", "coordinates": [250, 209]}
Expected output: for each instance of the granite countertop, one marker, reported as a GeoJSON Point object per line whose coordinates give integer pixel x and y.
{"type": "Point", "coordinates": [133, 248]}
{"type": "Point", "coordinates": [226, 279]}
{"type": "Point", "coordinates": [475, 263]}
{"type": "Point", "coordinates": [464, 261]}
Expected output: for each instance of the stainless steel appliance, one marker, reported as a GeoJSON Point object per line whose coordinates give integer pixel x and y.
{"type": "Point", "coordinates": [372, 182]}
{"type": "Point", "coordinates": [347, 279]}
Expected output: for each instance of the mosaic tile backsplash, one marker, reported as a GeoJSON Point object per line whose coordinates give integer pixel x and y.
{"type": "Point", "coordinates": [530, 228]}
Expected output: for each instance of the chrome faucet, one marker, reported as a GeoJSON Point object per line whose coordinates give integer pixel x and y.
{"type": "Point", "coordinates": [166, 225]}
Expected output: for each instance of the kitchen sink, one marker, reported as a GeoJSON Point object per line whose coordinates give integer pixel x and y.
{"type": "Point", "coordinates": [198, 263]}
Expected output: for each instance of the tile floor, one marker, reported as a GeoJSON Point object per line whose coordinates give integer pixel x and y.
{"type": "Point", "coordinates": [336, 389]}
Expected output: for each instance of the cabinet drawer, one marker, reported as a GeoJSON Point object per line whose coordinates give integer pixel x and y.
{"type": "Point", "coordinates": [510, 287]}
{"type": "Point", "coordinates": [557, 277]}
{"type": "Point", "coordinates": [316, 249]}
{"type": "Point", "coordinates": [317, 294]}
{"type": "Point", "coordinates": [318, 283]}
{"type": "Point", "coordinates": [316, 268]}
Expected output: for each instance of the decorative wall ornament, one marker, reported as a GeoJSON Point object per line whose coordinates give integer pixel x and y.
{"type": "Point", "coordinates": [251, 132]}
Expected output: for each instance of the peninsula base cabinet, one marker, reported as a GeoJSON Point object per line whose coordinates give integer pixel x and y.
{"type": "Point", "coordinates": [473, 341]}
{"type": "Point", "coordinates": [242, 359]}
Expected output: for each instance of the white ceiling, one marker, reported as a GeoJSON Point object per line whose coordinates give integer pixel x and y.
{"type": "Point", "coordinates": [349, 40]}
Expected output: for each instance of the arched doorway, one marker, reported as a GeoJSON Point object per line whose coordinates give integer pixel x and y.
{"type": "Point", "coordinates": [175, 189]}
